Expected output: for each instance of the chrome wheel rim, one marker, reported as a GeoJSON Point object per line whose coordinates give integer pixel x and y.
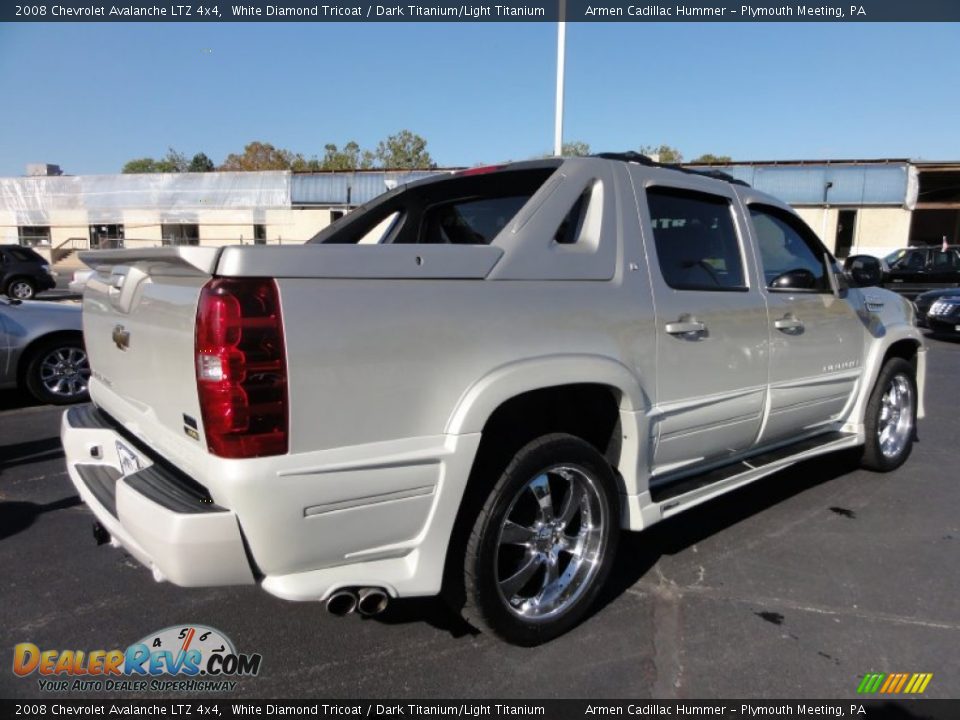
{"type": "Point", "coordinates": [21, 291]}
{"type": "Point", "coordinates": [550, 543]}
{"type": "Point", "coordinates": [895, 428]}
{"type": "Point", "coordinates": [65, 372]}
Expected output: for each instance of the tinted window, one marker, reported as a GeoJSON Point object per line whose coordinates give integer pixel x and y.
{"type": "Point", "coordinates": [469, 222]}
{"type": "Point", "coordinates": [696, 241]}
{"type": "Point", "coordinates": [786, 245]}
{"type": "Point", "coordinates": [24, 255]}
{"type": "Point", "coordinates": [912, 260]}
{"type": "Point", "coordinates": [945, 260]}
{"type": "Point", "coordinates": [466, 209]}
{"type": "Point", "coordinates": [569, 230]}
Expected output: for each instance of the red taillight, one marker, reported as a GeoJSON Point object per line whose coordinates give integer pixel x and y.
{"type": "Point", "coordinates": [242, 368]}
{"type": "Point", "coordinates": [479, 170]}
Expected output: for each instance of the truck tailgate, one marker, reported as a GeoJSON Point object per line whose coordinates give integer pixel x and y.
{"type": "Point", "coordinates": [139, 314]}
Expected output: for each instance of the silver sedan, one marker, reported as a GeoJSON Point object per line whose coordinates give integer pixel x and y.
{"type": "Point", "coordinates": [41, 349]}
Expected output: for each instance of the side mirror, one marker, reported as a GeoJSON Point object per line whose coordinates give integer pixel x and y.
{"type": "Point", "coordinates": [799, 279]}
{"type": "Point", "coordinates": [864, 270]}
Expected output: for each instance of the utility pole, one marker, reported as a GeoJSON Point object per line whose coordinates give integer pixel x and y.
{"type": "Point", "coordinates": [561, 50]}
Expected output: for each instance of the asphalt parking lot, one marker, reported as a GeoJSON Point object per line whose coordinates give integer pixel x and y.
{"type": "Point", "coordinates": [794, 587]}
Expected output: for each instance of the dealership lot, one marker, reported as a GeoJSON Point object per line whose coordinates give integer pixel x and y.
{"type": "Point", "coordinates": [794, 587]}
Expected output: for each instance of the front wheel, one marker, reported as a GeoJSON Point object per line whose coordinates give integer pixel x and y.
{"type": "Point", "coordinates": [543, 544]}
{"type": "Point", "coordinates": [891, 417]}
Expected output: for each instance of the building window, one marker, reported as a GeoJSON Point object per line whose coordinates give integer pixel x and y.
{"type": "Point", "coordinates": [106, 237]}
{"type": "Point", "coordinates": [32, 235]}
{"type": "Point", "coordinates": [180, 234]}
{"type": "Point", "coordinates": [259, 234]}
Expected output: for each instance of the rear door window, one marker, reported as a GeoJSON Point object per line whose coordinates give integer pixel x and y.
{"type": "Point", "coordinates": [696, 240]}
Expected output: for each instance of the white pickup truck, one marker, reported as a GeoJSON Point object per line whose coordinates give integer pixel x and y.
{"type": "Point", "coordinates": [473, 383]}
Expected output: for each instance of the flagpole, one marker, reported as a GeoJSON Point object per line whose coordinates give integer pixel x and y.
{"type": "Point", "coordinates": [561, 49]}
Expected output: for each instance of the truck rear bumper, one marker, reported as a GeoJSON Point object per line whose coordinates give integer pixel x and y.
{"type": "Point", "coordinates": [162, 519]}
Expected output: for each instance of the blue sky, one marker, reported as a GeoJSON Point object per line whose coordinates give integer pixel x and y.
{"type": "Point", "coordinates": [92, 96]}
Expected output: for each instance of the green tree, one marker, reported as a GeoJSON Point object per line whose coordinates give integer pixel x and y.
{"type": "Point", "coordinates": [172, 162]}
{"type": "Point", "coordinates": [576, 148]}
{"type": "Point", "coordinates": [663, 153]}
{"type": "Point", "coordinates": [711, 159]}
{"type": "Point", "coordinates": [346, 159]}
{"type": "Point", "coordinates": [301, 164]}
{"type": "Point", "coordinates": [405, 150]}
{"type": "Point", "coordinates": [140, 165]}
{"type": "Point", "coordinates": [201, 163]}
{"type": "Point", "coordinates": [258, 155]}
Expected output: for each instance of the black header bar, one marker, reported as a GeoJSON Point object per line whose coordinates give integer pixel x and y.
{"type": "Point", "coordinates": [199, 707]}
{"type": "Point", "coordinates": [474, 11]}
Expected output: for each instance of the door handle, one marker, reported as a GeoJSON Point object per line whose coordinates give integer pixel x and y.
{"type": "Point", "coordinates": [687, 327]}
{"type": "Point", "coordinates": [789, 324]}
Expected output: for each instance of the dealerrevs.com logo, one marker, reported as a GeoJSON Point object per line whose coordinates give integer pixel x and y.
{"type": "Point", "coordinates": [185, 658]}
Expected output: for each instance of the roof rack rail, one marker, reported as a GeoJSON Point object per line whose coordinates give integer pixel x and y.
{"type": "Point", "coordinates": [641, 159]}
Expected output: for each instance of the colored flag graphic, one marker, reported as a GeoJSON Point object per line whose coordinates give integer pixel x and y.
{"type": "Point", "coordinates": [893, 683]}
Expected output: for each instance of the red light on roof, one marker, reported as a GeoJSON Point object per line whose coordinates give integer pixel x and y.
{"type": "Point", "coordinates": [482, 170]}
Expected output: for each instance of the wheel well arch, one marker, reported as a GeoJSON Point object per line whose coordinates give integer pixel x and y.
{"type": "Point", "coordinates": [906, 349]}
{"type": "Point", "coordinates": [28, 352]}
{"type": "Point", "coordinates": [590, 411]}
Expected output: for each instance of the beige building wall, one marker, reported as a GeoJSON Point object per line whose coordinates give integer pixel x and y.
{"type": "Point", "coordinates": [295, 225]}
{"type": "Point", "coordinates": [879, 230]}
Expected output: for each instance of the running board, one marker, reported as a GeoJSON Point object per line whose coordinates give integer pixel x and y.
{"type": "Point", "coordinates": [678, 491]}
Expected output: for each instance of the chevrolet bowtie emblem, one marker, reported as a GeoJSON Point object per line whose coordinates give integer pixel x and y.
{"type": "Point", "coordinates": [121, 337]}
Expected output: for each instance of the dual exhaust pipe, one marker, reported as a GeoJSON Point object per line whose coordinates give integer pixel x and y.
{"type": "Point", "coordinates": [368, 601]}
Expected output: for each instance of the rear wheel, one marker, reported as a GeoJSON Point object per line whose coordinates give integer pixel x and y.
{"type": "Point", "coordinates": [543, 543]}
{"type": "Point", "coordinates": [891, 417]}
{"type": "Point", "coordinates": [58, 371]}
{"type": "Point", "coordinates": [21, 289]}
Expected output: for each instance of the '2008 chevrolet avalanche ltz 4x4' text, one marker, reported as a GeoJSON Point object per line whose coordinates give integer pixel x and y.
{"type": "Point", "coordinates": [472, 384]}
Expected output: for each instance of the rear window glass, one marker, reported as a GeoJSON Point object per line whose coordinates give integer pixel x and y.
{"type": "Point", "coordinates": [23, 255]}
{"type": "Point", "coordinates": [454, 210]}
{"type": "Point", "coordinates": [469, 222]}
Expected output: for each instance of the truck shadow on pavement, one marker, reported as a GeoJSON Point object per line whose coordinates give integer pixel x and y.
{"type": "Point", "coordinates": [639, 552]}
{"type": "Point", "coordinates": [17, 399]}
{"type": "Point", "coordinates": [29, 452]}
{"type": "Point", "coordinates": [17, 516]}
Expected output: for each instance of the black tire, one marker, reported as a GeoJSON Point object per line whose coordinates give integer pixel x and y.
{"type": "Point", "coordinates": [44, 358]}
{"type": "Point", "coordinates": [582, 480]}
{"type": "Point", "coordinates": [897, 376]}
{"type": "Point", "coordinates": [21, 289]}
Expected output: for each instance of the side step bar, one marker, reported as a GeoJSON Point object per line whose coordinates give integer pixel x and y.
{"type": "Point", "coordinates": [739, 472]}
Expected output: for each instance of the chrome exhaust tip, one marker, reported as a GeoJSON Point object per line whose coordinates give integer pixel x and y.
{"type": "Point", "coordinates": [342, 602]}
{"type": "Point", "coordinates": [372, 601]}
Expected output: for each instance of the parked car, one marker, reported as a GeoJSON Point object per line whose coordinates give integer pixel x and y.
{"type": "Point", "coordinates": [41, 349]}
{"type": "Point", "coordinates": [24, 272]}
{"type": "Point", "coordinates": [531, 358]}
{"type": "Point", "coordinates": [920, 269]}
{"type": "Point", "coordinates": [79, 281]}
{"type": "Point", "coordinates": [924, 301]}
{"type": "Point", "coordinates": [943, 311]}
